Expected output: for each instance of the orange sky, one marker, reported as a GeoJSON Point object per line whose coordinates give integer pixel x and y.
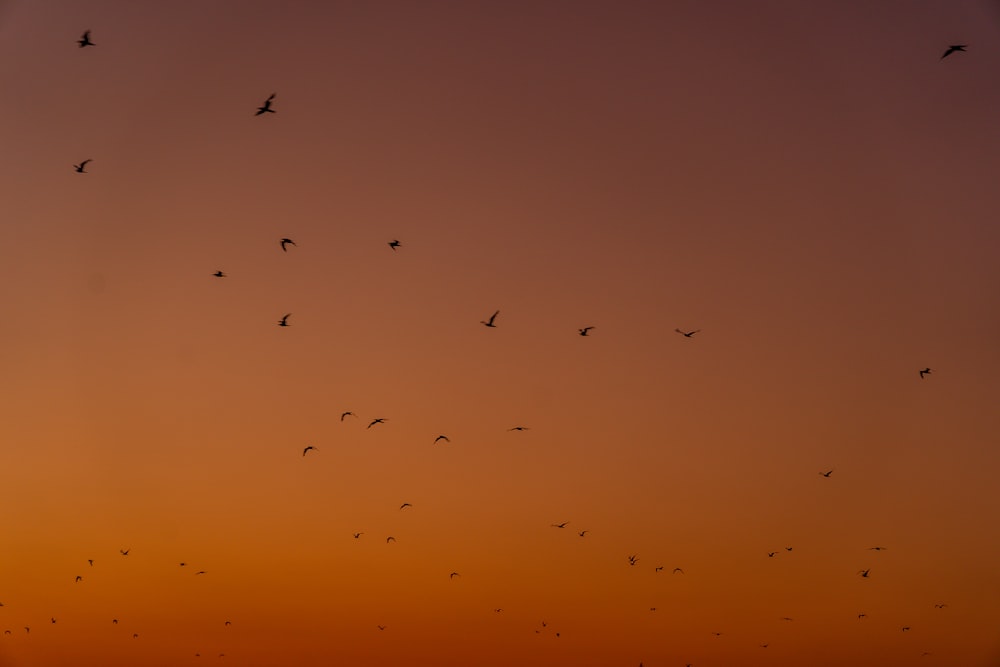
{"type": "Point", "coordinates": [808, 184]}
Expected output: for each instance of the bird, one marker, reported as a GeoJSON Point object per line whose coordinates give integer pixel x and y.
{"type": "Point", "coordinates": [85, 40]}
{"type": "Point", "coordinates": [676, 570]}
{"type": "Point", "coordinates": [952, 48]}
{"type": "Point", "coordinates": [124, 552]}
{"type": "Point", "coordinates": [717, 634]}
{"type": "Point", "coordinates": [79, 578]}
{"type": "Point", "coordinates": [687, 334]}
{"type": "Point", "coordinates": [52, 619]}
{"type": "Point", "coordinates": [394, 244]}
{"type": "Point", "coordinates": [788, 548]}
{"type": "Point", "coordinates": [559, 525]}
{"type": "Point", "coordinates": [390, 539]}
{"type": "Point", "coordinates": [91, 561]}
{"type": "Point", "coordinates": [940, 606]}
{"type": "Point", "coordinates": [585, 331]}
{"type": "Point", "coordinates": [862, 615]}
{"type": "Point", "coordinates": [876, 548]}
{"type": "Point", "coordinates": [405, 505]}
{"type": "Point", "coordinates": [219, 274]}
{"type": "Point", "coordinates": [652, 608]}
{"type": "Point", "coordinates": [924, 372]}
{"type": "Point", "coordinates": [519, 428]}
{"type": "Point", "coordinates": [827, 473]}
{"type": "Point", "coordinates": [657, 568]}
{"type": "Point", "coordinates": [864, 573]}
{"type": "Point", "coordinates": [497, 610]}
{"type": "Point", "coordinates": [200, 572]}
{"type": "Point", "coordinates": [453, 575]}
{"type": "Point", "coordinates": [6, 632]}
{"type": "Point", "coordinates": [770, 554]}
{"type": "Point", "coordinates": [283, 322]}
{"type": "Point", "coordinates": [785, 618]}
{"type": "Point", "coordinates": [82, 167]}
{"type": "Point", "coordinates": [266, 107]}
{"type": "Point", "coordinates": [307, 449]}
{"type": "Point", "coordinates": [27, 629]}
{"type": "Point", "coordinates": [905, 628]}
{"type": "Point", "coordinates": [347, 414]}
{"type": "Point", "coordinates": [357, 536]}
{"type": "Point", "coordinates": [135, 635]}
{"type": "Point", "coordinates": [228, 623]}
{"type": "Point", "coordinates": [285, 243]}
{"type": "Point", "coordinates": [489, 322]}
{"type": "Point", "coordinates": [183, 564]}
{"type": "Point", "coordinates": [583, 533]}
{"type": "Point", "coordinates": [378, 420]}
{"type": "Point", "coordinates": [442, 437]}
{"type": "Point", "coordinates": [114, 621]}
{"type": "Point", "coordinates": [633, 559]}
{"type": "Point", "coordinates": [381, 627]}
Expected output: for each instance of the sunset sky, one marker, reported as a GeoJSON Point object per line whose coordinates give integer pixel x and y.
{"type": "Point", "coordinates": [806, 183]}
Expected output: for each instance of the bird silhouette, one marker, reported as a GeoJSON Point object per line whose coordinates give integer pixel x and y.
{"type": "Point", "coordinates": [489, 322]}
{"type": "Point", "coordinates": [905, 628]}
{"type": "Point", "coordinates": [114, 621]}
{"type": "Point", "coordinates": [657, 568]}
{"type": "Point", "coordinates": [687, 334]}
{"type": "Point", "coordinates": [453, 575]}
{"type": "Point", "coordinates": [633, 559]}
{"type": "Point", "coordinates": [497, 610]}
{"type": "Point", "coordinates": [52, 619]}
{"type": "Point", "coordinates": [283, 322]}
{"type": "Point", "coordinates": [952, 49]}
{"type": "Point", "coordinates": [864, 573]}
{"type": "Point", "coordinates": [6, 632]}
{"type": "Point", "coordinates": [940, 606]}
{"type": "Point", "coordinates": [228, 623]}
{"type": "Point", "coordinates": [27, 629]}
{"type": "Point", "coordinates": [266, 107]}
{"type": "Point", "coordinates": [390, 539]}
{"type": "Point", "coordinates": [405, 505]}
{"type": "Point", "coordinates": [183, 564]}
{"type": "Point", "coordinates": [347, 414]}
{"type": "Point", "coordinates": [135, 635]}
{"type": "Point", "coordinates": [442, 437]}
{"type": "Point", "coordinates": [827, 473]}
{"type": "Point", "coordinates": [770, 554]}
{"type": "Point", "coordinates": [583, 533]}
{"type": "Point", "coordinates": [717, 634]}
{"type": "Point", "coordinates": [788, 548]}
{"type": "Point", "coordinates": [89, 560]}
{"type": "Point", "coordinates": [519, 428]}
{"type": "Point", "coordinates": [862, 616]}
{"type": "Point", "coordinates": [307, 449]}
{"type": "Point", "coordinates": [285, 243]}
{"type": "Point", "coordinates": [676, 570]}
{"type": "Point", "coordinates": [357, 536]}
{"type": "Point", "coordinates": [79, 578]}
{"type": "Point", "coordinates": [559, 525]}
{"type": "Point", "coordinates": [876, 548]}
{"type": "Point", "coordinates": [381, 627]}
{"type": "Point", "coordinates": [219, 274]}
{"type": "Point", "coordinates": [200, 572]}
{"type": "Point", "coordinates": [585, 331]}
{"type": "Point", "coordinates": [82, 167]}
{"type": "Point", "coordinates": [85, 40]}
{"type": "Point", "coordinates": [379, 420]}
{"type": "Point", "coordinates": [124, 552]}
{"type": "Point", "coordinates": [785, 618]}
{"type": "Point", "coordinates": [394, 244]}
{"type": "Point", "coordinates": [924, 372]}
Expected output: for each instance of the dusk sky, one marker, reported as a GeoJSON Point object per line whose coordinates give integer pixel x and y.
{"type": "Point", "coordinates": [807, 184]}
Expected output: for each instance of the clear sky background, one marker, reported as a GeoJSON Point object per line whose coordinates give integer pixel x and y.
{"type": "Point", "coordinates": [807, 183]}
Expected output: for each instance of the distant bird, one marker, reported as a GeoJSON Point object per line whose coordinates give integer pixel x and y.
{"type": "Point", "coordinates": [940, 606]}
{"type": "Point", "coordinates": [347, 414]}
{"type": "Point", "coordinates": [379, 420]}
{"type": "Point", "coordinates": [89, 560]}
{"type": "Point", "coordinates": [657, 568]}
{"type": "Point", "coordinates": [124, 552]}
{"type": "Point", "coordinates": [219, 274]}
{"type": "Point", "coordinates": [381, 627]}
{"type": "Point", "coordinates": [200, 572]}
{"type": "Point", "coordinates": [453, 575]}
{"type": "Point", "coordinates": [862, 615]}
{"type": "Point", "coordinates": [652, 608]}
{"type": "Point", "coordinates": [676, 570]}
{"type": "Point", "coordinates": [442, 437]}
{"type": "Point", "coordinates": [497, 610]}
{"type": "Point", "coordinates": [228, 623]}
{"type": "Point", "coordinates": [519, 428]}
{"type": "Point", "coordinates": [85, 40]}
{"type": "Point", "coordinates": [771, 554]}
{"type": "Point", "coordinates": [827, 473]}
{"type": "Point", "coordinates": [390, 539]}
{"type": "Point", "coordinates": [489, 322]}
{"type": "Point", "coordinates": [585, 331]}
{"type": "Point", "coordinates": [27, 629]}
{"type": "Point", "coordinates": [135, 635]}
{"type": "Point", "coordinates": [687, 334]}
{"type": "Point", "coordinates": [905, 628]}
{"type": "Point", "coordinates": [785, 618]}
{"type": "Point", "coordinates": [583, 533]}
{"type": "Point", "coordinates": [79, 578]}
{"type": "Point", "coordinates": [763, 645]}
{"type": "Point", "coordinates": [405, 505]}
{"type": "Point", "coordinates": [864, 573]}
{"type": "Point", "coordinates": [394, 244]}
{"type": "Point", "coordinates": [788, 548]}
{"type": "Point", "coordinates": [183, 564]}
{"type": "Point", "coordinates": [285, 243]}
{"type": "Point", "coordinates": [559, 525]}
{"type": "Point", "coordinates": [307, 449]}
{"type": "Point", "coordinates": [114, 621]}
{"type": "Point", "coordinates": [283, 322]}
{"type": "Point", "coordinates": [266, 107]}
{"type": "Point", "coordinates": [952, 48]}
{"type": "Point", "coordinates": [717, 634]}
{"type": "Point", "coordinates": [82, 167]}
{"type": "Point", "coordinates": [357, 536]}
{"type": "Point", "coordinates": [6, 632]}
{"type": "Point", "coordinates": [924, 372]}
{"type": "Point", "coordinates": [876, 548]}
{"type": "Point", "coordinates": [633, 559]}
{"type": "Point", "coordinates": [52, 619]}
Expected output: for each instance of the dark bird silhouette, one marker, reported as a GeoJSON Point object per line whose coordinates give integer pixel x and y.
{"type": "Point", "coordinates": [585, 331]}
{"type": "Point", "coordinates": [183, 564]}
{"type": "Point", "coordinates": [89, 560]}
{"type": "Point", "coordinates": [497, 610]}
{"type": "Point", "coordinates": [394, 244]}
{"type": "Point", "coordinates": [518, 428]}
{"type": "Point", "coordinates": [905, 628]}
{"type": "Point", "coordinates": [676, 570]}
{"type": "Point", "coordinates": [114, 621]}
{"type": "Point", "coordinates": [405, 505]}
{"type": "Point", "coordinates": [687, 334]}
{"type": "Point", "coordinates": [924, 372]}
{"type": "Point", "coordinates": [219, 274]}
{"type": "Point", "coordinates": [357, 536]}
{"type": "Point", "coordinates": [770, 554]}
{"type": "Point", "coordinates": [876, 548]}
{"type": "Point", "coordinates": [53, 620]}
{"type": "Point", "coordinates": [82, 167]}
{"type": "Point", "coordinates": [285, 243]}
{"type": "Point", "coordinates": [200, 572]}
{"type": "Point", "coordinates": [381, 627]}
{"type": "Point", "coordinates": [559, 525]}
{"type": "Point", "coordinates": [27, 629]}
{"type": "Point", "coordinates": [633, 559]}
{"type": "Point", "coordinates": [489, 322]}
{"type": "Point", "coordinates": [785, 618]}
{"type": "Point", "coordinates": [952, 48]}
{"type": "Point", "coordinates": [79, 578]}
{"type": "Point", "coordinates": [717, 634]}
{"type": "Point", "coordinates": [583, 533]}
{"type": "Point", "coordinates": [266, 107]}
{"type": "Point", "coordinates": [228, 623]}
{"type": "Point", "coordinates": [347, 414]}
{"type": "Point", "coordinates": [442, 437]}
{"type": "Point", "coordinates": [379, 420]}
{"type": "Point", "coordinates": [283, 322]}
{"type": "Point", "coordinates": [453, 575]}
{"type": "Point", "coordinates": [862, 615]}
{"type": "Point", "coordinates": [124, 552]}
{"type": "Point", "coordinates": [307, 449]}
{"type": "Point", "coordinates": [864, 573]}
{"type": "Point", "coordinates": [940, 606]}
{"type": "Point", "coordinates": [135, 635]}
{"type": "Point", "coordinates": [788, 548]}
{"type": "Point", "coordinates": [657, 568]}
{"type": "Point", "coordinates": [763, 645]}
{"type": "Point", "coordinates": [827, 473]}
{"type": "Point", "coordinates": [6, 632]}
{"type": "Point", "coordinates": [390, 539]}
{"type": "Point", "coordinates": [85, 40]}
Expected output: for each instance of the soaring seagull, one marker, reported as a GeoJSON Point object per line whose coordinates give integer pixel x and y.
{"type": "Point", "coordinates": [283, 322]}
{"type": "Point", "coordinates": [952, 48]}
{"type": "Point", "coordinates": [441, 437]}
{"type": "Point", "coordinates": [82, 167]}
{"type": "Point", "coordinates": [304, 451]}
{"type": "Point", "coordinates": [266, 107]}
{"type": "Point", "coordinates": [85, 40]}
{"type": "Point", "coordinates": [219, 274]}
{"type": "Point", "coordinates": [347, 414]}
{"type": "Point", "coordinates": [924, 372]}
{"type": "Point", "coordinates": [394, 244]}
{"type": "Point", "coordinates": [687, 334]}
{"type": "Point", "coordinates": [585, 331]}
{"type": "Point", "coordinates": [377, 420]}
{"type": "Point", "coordinates": [285, 243]}
{"type": "Point", "coordinates": [489, 322]}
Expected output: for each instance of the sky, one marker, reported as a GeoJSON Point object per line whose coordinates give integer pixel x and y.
{"type": "Point", "coordinates": [808, 185]}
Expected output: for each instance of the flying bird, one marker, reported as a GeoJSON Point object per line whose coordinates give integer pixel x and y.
{"type": "Point", "coordinates": [307, 449]}
{"type": "Point", "coordinates": [347, 414]}
{"type": "Point", "coordinates": [79, 578]}
{"type": "Point", "coordinates": [394, 244]}
{"type": "Point", "coordinates": [442, 437]}
{"type": "Point", "coordinates": [283, 322]}
{"type": "Point", "coordinates": [89, 560]}
{"type": "Point", "coordinates": [633, 559]}
{"type": "Point", "coordinates": [827, 473]}
{"type": "Point", "coordinates": [266, 107]}
{"type": "Point", "coordinates": [905, 628]}
{"type": "Point", "coordinates": [924, 372]}
{"type": "Point", "coordinates": [357, 536]}
{"type": "Point", "coordinates": [862, 615]}
{"type": "Point", "coordinates": [559, 525]}
{"type": "Point", "coordinates": [518, 428]}
{"type": "Point", "coordinates": [940, 606]}
{"type": "Point", "coordinates": [952, 48]}
{"type": "Point", "coordinates": [219, 274]}
{"type": "Point", "coordinates": [687, 334]}
{"type": "Point", "coordinates": [717, 634]}
{"type": "Point", "coordinates": [453, 575]}
{"type": "Point", "coordinates": [6, 632]}
{"type": "Point", "coordinates": [583, 533]}
{"type": "Point", "coordinates": [657, 568]}
{"type": "Point", "coordinates": [381, 627]}
{"type": "Point", "coordinates": [200, 572]}
{"type": "Point", "coordinates": [864, 573]}
{"type": "Point", "coordinates": [135, 635]}
{"type": "Point", "coordinates": [379, 420]}
{"type": "Point", "coordinates": [785, 618]}
{"type": "Point", "coordinates": [114, 621]}
{"type": "Point", "coordinates": [82, 167]}
{"type": "Point", "coordinates": [285, 243]}
{"type": "Point", "coordinates": [228, 623]}
{"type": "Point", "coordinates": [676, 570]}
{"type": "Point", "coordinates": [390, 539]}
{"type": "Point", "coordinates": [876, 548]}
{"type": "Point", "coordinates": [124, 552]}
{"type": "Point", "coordinates": [489, 322]}
{"type": "Point", "coordinates": [585, 331]}
{"type": "Point", "coordinates": [404, 505]}
{"type": "Point", "coordinates": [52, 619]}
{"type": "Point", "coordinates": [497, 610]}
{"type": "Point", "coordinates": [85, 40]}
{"type": "Point", "coordinates": [770, 554]}
{"type": "Point", "coordinates": [183, 564]}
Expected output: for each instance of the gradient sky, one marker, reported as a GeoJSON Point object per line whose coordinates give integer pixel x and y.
{"type": "Point", "coordinates": [807, 183]}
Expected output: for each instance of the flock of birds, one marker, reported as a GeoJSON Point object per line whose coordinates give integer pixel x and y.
{"type": "Point", "coordinates": [632, 560]}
